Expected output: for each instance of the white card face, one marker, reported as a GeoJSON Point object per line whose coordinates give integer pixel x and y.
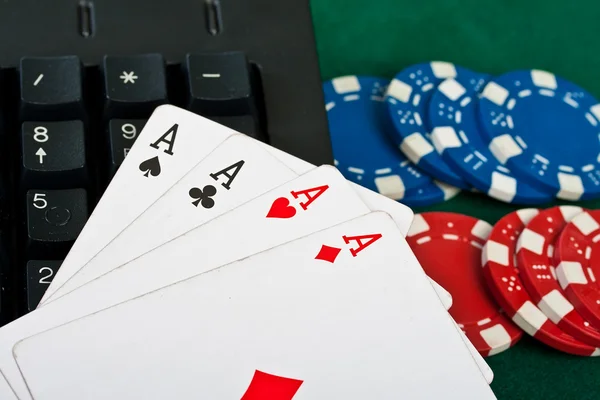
{"type": "Point", "coordinates": [239, 170]}
{"type": "Point", "coordinates": [336, 320]}
{"type": "Point", "coordinates": [171, 143]}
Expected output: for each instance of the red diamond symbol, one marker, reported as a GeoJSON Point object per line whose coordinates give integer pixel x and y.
{"type": "Point", "coordinates": [271, 387]}
{"type": "Point", "coordinates": [328, 253]}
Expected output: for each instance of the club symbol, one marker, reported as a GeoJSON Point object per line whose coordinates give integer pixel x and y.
{"type": "Point", "coordinates": [203, 196]}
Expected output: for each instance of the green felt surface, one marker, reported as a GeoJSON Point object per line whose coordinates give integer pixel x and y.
{"type": "Point", "coordinates": [382, 37]}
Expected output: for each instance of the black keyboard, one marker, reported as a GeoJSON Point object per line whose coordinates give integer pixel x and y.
{"type": "Point", "coordinates": [79, 79]}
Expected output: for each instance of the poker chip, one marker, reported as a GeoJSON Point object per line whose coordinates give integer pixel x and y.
{"type": "Point", "coordinates": [456, 136]}
{"type": "Point", "coordinates": [535, 263]}
{"type": "Point", "coordinates": [578, 264]}
{"type": "Point", "coordinates": [448, 246]}
{"type": "Point", "coordinates": [504, 283]}
{"type": "Point", "coordinates": [433, 193]}
{"type": "Point", "coordinates": [362, 149]}
{"type": "Point", "coordinates": [407, 99]}
{"type": "Point", "coordinates": [545, 129]}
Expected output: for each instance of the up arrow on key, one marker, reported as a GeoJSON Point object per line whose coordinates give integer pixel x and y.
{"type": "Point", "coordinates": [41, 154]}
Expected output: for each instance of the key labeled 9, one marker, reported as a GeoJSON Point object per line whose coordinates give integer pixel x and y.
{"type": "Point", "coordinates": [122, 134]}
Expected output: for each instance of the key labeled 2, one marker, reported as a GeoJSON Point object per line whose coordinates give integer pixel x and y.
{"type": "Point", "coordinates": [53, 155]}
{"type": "Point", "coordinates": [39, 276]}
{"type": "Point", "coordinates": [54, 220]}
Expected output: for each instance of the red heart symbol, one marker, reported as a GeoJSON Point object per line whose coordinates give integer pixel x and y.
{"type": "Point", "coordinates": [281, 209]}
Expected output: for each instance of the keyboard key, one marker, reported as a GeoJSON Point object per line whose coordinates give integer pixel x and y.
{"type": "Point", "coordinates": [121, 136]}
{"type": "Point", "coordinates": [51, 88]}
{"type": "Point", "coordinates": [134, 85]}
{"type": "Point", "coordinates": [245, 124]}
{"type": "Point", "coordinates": [39, 276]}
{"type": "Point", "coordinates": [54, 220]}
{"type": "Point", "coordinates": [53, 155]}
{"type": "Point", "coordinates": [219, 84]}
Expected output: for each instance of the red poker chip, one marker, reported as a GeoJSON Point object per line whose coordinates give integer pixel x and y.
{"type": "Point", "coordinates": [577, 257]}
{"type": "Point", "coordinates": [535, 263]}
{"type": "Point", "coordinates": [502, 277]}
{"type": "Point", "coordinates": [448, 246]}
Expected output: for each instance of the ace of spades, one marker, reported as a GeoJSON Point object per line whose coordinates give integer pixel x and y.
{"type": "Point", "coordinates": [151, 167]}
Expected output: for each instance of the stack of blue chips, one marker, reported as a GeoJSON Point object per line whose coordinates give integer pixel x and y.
{"type": "Point", "coordinates": [525, 137]}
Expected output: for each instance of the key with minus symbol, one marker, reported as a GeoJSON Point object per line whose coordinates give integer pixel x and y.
{"type": "Point", "coordinates": [219, 84]}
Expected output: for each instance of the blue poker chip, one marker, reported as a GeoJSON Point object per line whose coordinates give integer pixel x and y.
{"type": "Point", "coordinates": [407, 101]}
{"type": "Point", "coordinates": [430, 194]}
{"type": "Point", "coordinates": [362, 149]}
{"type": "Point", "coordinates": [456, 136]}
{"type": "Point", "coordinates": [545, 129]}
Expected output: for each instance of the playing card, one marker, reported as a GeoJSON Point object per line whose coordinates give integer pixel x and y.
{"type": "Point", "coordinates": [324, 317]}
{"type": "Point", "coordinates": [171, 143]}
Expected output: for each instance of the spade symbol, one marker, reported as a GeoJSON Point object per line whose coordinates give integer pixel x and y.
{"type": "Point", "coordinates": [203, 196]}
{"type": "Point", "coordinates": [150, 167]}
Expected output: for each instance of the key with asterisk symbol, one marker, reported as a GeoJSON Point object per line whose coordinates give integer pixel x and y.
{"type": "Point", "coordinates": [133, 85]}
